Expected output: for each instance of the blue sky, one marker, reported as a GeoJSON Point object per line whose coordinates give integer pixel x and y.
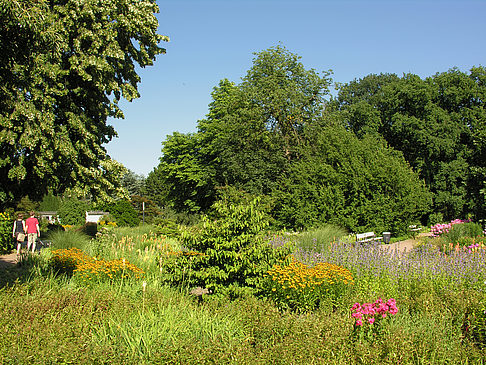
{"type": "Point", "coordinates": [216, 39]}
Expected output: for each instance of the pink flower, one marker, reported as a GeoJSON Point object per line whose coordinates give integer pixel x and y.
{"type": "Point", "coordinates": [371, 320]}
{"type": "Point", "coordinates": [359, 322]}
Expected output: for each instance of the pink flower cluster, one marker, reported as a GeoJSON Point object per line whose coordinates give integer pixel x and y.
{"type": "Point", "coordinates": [368, 311]}
{"type": "Point", "coordinates": [441, 228]}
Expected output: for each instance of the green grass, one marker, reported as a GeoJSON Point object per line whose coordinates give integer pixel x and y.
{"type": "Point", "coordinates": [319, 238]}
{"type": "Point", "coordinates": [69, 238]}
{"type": "Point", "coordinates": [55, 319]}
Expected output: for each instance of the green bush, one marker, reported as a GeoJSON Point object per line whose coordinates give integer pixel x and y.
{"type": "Point", "coordinates": [6, 239]}
{"type": "Point", "coordinates": [72, 211]}
{"type": "Point", "coordinates": [474, 326]}
{"type": "Point", "coordinates": [458, 231]}
{"type": "Point", "coordinates": [319, 238]}
{"type": "Point", "coordinates": [90, 229]}
{"type": "Point", "coordinates": [124, 213]}
{"type": "Point", "coordinates": [232, 251]}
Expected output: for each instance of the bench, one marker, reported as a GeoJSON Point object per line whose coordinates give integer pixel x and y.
{"type": "Point", "coordinates": [414, 229]}
{"type": "Point", "coordinates": [367, 237]}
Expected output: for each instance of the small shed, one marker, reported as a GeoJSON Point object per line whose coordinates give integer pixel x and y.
{"type": "Point", "coordinates": [95, 216]}
{"type": "Point", "coordinates": [50, 216]}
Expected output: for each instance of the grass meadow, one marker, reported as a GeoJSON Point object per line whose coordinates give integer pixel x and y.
{"type": "Point", "coordinates": [105, 301]}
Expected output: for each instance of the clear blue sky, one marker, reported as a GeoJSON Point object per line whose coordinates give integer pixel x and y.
{"type": "Point", "coordinates": [216, 39]}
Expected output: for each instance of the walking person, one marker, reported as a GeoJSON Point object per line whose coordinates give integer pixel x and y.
{"type": "Point", "coordinates": [18, 231]}
{"type": "Point", "coordinates": [33, 231]}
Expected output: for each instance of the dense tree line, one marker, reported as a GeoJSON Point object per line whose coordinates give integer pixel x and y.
{"type": "Point", "coordinates": [438, 123]}
{"type": "Point", "coordinates": [279, 135]}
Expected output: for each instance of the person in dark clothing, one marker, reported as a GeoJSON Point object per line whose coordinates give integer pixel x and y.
{"type": "Point", "coordinates": [19, 228]}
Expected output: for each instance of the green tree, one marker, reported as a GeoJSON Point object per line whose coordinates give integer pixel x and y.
{"type": "Point", "coordinates": [68, 64]}
{"type": "Point", "coordinates": [438, 123]}
{"type": "Point", "coordinates": [133, 183]}
{"type": "Point", "coordinates": [359, 184]}
{"type": "Point", "coordinates": [50, 202]}
{"type": "Point", "coordinates": [249, 135]}
{"type": "Point", "coordinates": [124, 213]}
{"type": "Point", "coordinates": [73, 211]}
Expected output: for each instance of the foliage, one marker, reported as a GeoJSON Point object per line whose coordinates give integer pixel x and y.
{"type": "Point", "coordinates": [467, 229]}
{"type": "Point", "coordinates": [440, 319]}
{"type": "Point", "coordinates": [300, 287]}
{"type": "Point", "coordinates": [151, 211]}
{"type": "Point", "coordinates": [64, 239]}
{"type": "Point", "coordinates": [133, 183]}
{"type": "Point", "coordinates": [90, 270]}
{"type": "Point", "coordinates": [124, 213]}
{"type": "Point", "coordinates": [248, 138]}
{"type": "Point", "coordinates": [50, 203]}
{"type": "Point", "coordinates": [6, 239]}
{"type": "Point", "coordinates": [25, 206]}
{"type": "Point", "coordinates": [357, 184]}
{"type": "Point", "coordinates": [73, 211]}
{"type": "Point", "coordinates": [437, 122]}
{"type": "Point", "coordinates": [233, 252]}
{"type": "Point", "coordinates": [90, 229]}
{"type": "Point", "coordinates": [69, 64]}
{"type": "Point", "coordinates": [99, 270]}
{"type": "Point", "coordinates": [474, 326]}
{"type": "Point", "coordinates": [319, 238]}
{"type": "Point", "coordinates": [65, 261]}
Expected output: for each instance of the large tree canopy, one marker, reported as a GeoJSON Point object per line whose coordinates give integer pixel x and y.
{"type": "Point", "coordinates": [250, 134]}
{"type": "Point", "coordinates": [268, 136]}
{"type": "Point", "coordinates": [64, 66]}
{"type": "Point", "coordinates": [439, 123]}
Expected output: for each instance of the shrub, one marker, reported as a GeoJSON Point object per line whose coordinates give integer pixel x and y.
{"type": "Point", "coordinates": [89, 269]}
{"type": "Point", "coordinates": [319, 238]}
{"type": "Point", "coordinates": [6, 240]}
{"type": "Point", "coordinates": [124, 213]}
{"type": "Point", "coordinates": [65, 261]}
{"type": "Point", "coordinates": [90, 229]}
{"type": "Point", "coordinates": [72, 211]}
{"type": "Point", "coordinates": [474, 326]}
{"type": "Point", "coordinates": [234, 254]}
{"type": "Point", "coordinates": [369, 317]}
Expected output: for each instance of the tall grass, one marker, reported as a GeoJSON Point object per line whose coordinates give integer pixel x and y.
{"type": "Point", "coordinates": [68, 239]}
{"type": "Point", "coordinates": [58, 320]}
{"type": "Point", "coordinates": [319, 239]}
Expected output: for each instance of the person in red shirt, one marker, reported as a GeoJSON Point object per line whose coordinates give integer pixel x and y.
{"type": "Point", "coordinates": [33, 231]}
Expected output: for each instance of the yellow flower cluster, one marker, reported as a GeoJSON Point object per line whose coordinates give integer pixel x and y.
{"type": "Point", "coordinates": [112, 269]}
{"type": "Point", "coordinates": [67, 226]}
{"type": "Point", "coordinates": [299, 276]}
{"type": "Point", "coordinates": [89, 268]}
{"type": "Point", "coordinates": [68, 259]}
{"type": "Point", "coordinates": [5, 216]}
{"type": "Point", "coordinates": [107, 223]}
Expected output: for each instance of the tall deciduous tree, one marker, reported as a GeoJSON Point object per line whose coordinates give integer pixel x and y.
{"type": "Point", "coordinates": [249, 135]}
{"type": "Point", "coordinates": [64, 66]}
{"type": "Point", "coordinates": [439, 123]}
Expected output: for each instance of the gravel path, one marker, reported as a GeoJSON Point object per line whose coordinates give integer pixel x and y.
{"type": "Point", "coordinates": [7, 261]}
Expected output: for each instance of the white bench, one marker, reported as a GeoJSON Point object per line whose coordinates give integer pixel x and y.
{"type": "Point", "coordinates": [415, 230]}
{"type": "Point", "coordinates": [367, 237]}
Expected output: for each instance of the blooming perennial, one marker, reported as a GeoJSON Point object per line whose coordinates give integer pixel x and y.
{"type": "Point", "coordinates": [369, 313]}
{"type": "Point", "coordinates": [442, 228]}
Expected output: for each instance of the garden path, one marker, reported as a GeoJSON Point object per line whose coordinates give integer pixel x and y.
{"type": "Point", "coordinates": [7, 261]}
{"type": "Point", "coordinates": [404, 246]}
{"type": "Point", "coordinates": [10, 260]}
